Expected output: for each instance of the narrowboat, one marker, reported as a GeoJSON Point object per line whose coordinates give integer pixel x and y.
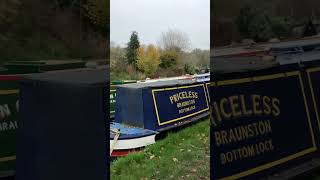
{"type": "Point", "coordinates": [202, 77]}
{"type": "Point", "coordinates": [296, 51]}
{"type": "Point", "coordinates": [277, 96]}
{"type": "Point", "coordinates": [10, 75]}
{"type": "Point", "coordinates": [146, 109]}
{"type": "Point", "coordinates": [114, 84]}
{"type": "Point", "coordinates": [63, 119]}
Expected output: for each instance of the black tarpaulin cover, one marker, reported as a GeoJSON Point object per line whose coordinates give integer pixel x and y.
{"type": "Point", "coordinates": [63, 126]}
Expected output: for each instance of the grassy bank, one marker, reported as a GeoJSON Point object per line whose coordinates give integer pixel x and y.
{"type": "Point", "coordinates": [181, 155]}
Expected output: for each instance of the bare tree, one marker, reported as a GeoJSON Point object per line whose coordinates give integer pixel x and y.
{"type": "Point", "coordinates": [174, 40]}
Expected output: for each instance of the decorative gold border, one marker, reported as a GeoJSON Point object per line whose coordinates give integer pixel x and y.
{"type": "Point", "coordinates": [9, 91]}
{"type": "Point", "coordinates": [173, 88]}
{"type": "Point", "coordinates": [309, 71]}
{"type": "Point", "coordinates": [208, 92]}
{"type": "Point", "coordinates": [287, 158]}
{"type": "Point", "coordinates": [8, 158]}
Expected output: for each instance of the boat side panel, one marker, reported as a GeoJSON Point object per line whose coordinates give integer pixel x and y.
{"type": "Point", "coordinates": [9, 106]}
{"type": "Point", "coordinates": [129, 107]}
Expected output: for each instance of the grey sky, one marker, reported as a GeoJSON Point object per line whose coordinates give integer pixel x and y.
{"type": "Point", "coordinates": [151, 17]}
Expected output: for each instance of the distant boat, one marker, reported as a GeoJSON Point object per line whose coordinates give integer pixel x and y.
{"type": "Point", "coordinates": [284, 52]}
{"type": "Point", "coordinates": [202, 77]}
{"type": "Point", "coordinates": [296, 51]}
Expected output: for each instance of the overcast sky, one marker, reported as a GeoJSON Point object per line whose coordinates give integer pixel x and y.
{"type": "Point", "coordinates": [151, 17]}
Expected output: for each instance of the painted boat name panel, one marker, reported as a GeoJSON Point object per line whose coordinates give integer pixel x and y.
{"type": "Point", "coordinates": [259, 124]}
{"type": "Point", "coordinates": [160, 106]}
{"type": "Point", "coordinates": [9, 107]}
{"type": "Point", "coordinates": [177, 103]}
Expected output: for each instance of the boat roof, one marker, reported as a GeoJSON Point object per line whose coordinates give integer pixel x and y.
{"type": "Point", "coordinates": [240, 64]}
{"type": "Point", "coordinates": [80, 77]}
{"type": "Point", "coordinates": [297, 43]}
{"type": "Point", "coordinates": [202, 75]}
{"type": "Point", "coordinates": [44, 62]}
{"type": "Point", "coordinates": [263, 47]}
{"type": "Point", "coordinates": [176, 82]}
{"type": "Point", "coordinates": [166, 78]}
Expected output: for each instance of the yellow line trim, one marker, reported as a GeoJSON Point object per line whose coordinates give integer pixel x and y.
{"type": "Point", "coordinates": [316, 69]}
{"type": "Point", "coordinates": [213, 84]}
{"type": "Point", "coordinates": [255, 78]}
{"type": "Point", "coordinates": [173, 88]}
{"type": "Point", "coordinates": [207, 87]}
{"type": "Point", "coordinates": [183, 117]}
{"type": "Point", "coordinates": [290, 157]}
{"type": "Point", "coordinates": [269, 165]}
{"type": "Point", "coordinates": [112, 90]}
{"type": "Point", "coordinates": [156, 107]}
{"type": "Point", "coordinates": [307, 110]}
{"type": "Point", "coordinates": [9, 91]}
{"type": "Point", "coordinates": [8, 158]}
{"type": "Point", "coordinates": [233, 81]}
{"type": "Point", "coordinates": [309, 71]}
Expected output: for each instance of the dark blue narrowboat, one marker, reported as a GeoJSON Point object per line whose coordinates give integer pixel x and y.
{"type": "Point", "coordinates": [147, 108]}
{"type": "Point", "coordinates": [161, 105]}
{"type": "Point", "coordinates": [280, 97]}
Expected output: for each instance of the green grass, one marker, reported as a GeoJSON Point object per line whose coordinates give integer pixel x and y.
{"type": "Point", "coordinates": [181, 155]}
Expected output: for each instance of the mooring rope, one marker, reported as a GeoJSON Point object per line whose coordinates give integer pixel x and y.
{"type": "Point", "coordinates": [115, 139]}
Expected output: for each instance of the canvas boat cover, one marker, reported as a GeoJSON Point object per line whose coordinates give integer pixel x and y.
{"type": "Point", "coordinates": [159, 83]}
{"type": "Point", "coordinates": [221, 65]}
{"type": "Point", "coordinates": [63, 126]}
{"type": "Point", "coordinates": [23, 67]}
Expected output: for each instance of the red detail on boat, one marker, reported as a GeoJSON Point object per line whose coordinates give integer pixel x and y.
{"type": "Point", "coordinates": [9, 78]}
{"type": "Point", "coordinates": [120, 153]}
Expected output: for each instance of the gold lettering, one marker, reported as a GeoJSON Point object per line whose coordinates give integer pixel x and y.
{"type": "Point", "coordinates": [275, 105]}
{"type": "Point", "coordinates": [171, 99]}
{"type": "Point", "coordinates": [224, 137]}
{"type": "Point", "coordinates": [243, 105]}
{"type": "Point", "coordinates": [217, 112]}
{"type": "Point", "coordinates": [234, 106]}
{"type": "Point", "coordinates": [217, 138]}
{"type": "Point", "coordinates": [256, 99]}
{"type": "Point", "coordinates": [267, 108]}
{"type": "Point", "coordinates": [223, 112]}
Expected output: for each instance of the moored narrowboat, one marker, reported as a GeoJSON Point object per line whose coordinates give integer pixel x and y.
{"type": "Point", "coordinates": [146, 109]}
{"type": "Point", "coordinates": [10, 74]}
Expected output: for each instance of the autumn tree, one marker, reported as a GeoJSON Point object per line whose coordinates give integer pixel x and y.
{"type": "Point", "coordinates": [148, 60]}
{"type": "Point", "coordinates": [168, 58]}
{"type": "Point", "coordinates": [132, 48]}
